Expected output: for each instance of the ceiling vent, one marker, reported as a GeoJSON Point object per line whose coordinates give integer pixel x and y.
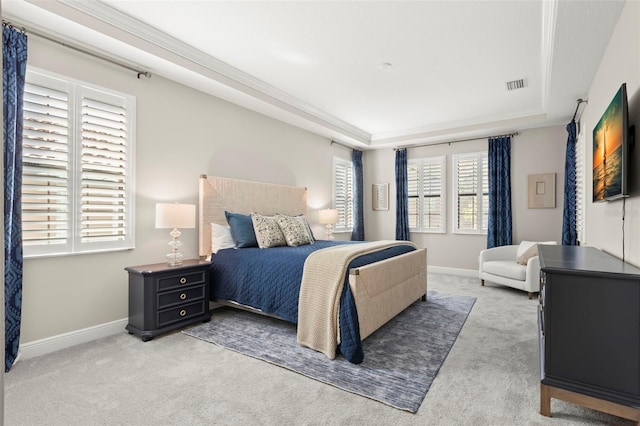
{"type": "Point", "coordinates": [516, 84]}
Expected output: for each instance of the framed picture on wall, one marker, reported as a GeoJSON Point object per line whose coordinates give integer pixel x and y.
{"type": "Point", "coordinates": [380, 196]}
{"type": "Point", "coordinates": [542, 191]}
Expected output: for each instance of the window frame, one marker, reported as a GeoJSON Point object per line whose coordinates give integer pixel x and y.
{"type": "Point", "coordinates": [421, 162]}
{"type": "Point", "coordinates": [345, 218]}
{"type": "Point", "coordinates": [482, 197]}
{"type": "Point", "coordinates": [76, 91]}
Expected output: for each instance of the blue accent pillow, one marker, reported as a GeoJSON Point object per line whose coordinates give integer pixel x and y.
{"type": "Point", "coordinates": [241, 229]}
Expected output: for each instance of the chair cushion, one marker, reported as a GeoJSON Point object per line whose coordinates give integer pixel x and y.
{"type": "Point", "coordinates": [506, 268]}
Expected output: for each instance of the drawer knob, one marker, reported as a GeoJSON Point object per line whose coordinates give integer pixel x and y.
{"type": "Point", "coordinates": [183, 313]}
{"type": "Point", "coordinates": [183, 280]}
{"type": "Point", "coordinates": [183, 296]}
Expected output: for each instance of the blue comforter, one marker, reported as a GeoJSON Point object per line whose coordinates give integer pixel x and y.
{"type": "Point", "coordinates": [269, 280]}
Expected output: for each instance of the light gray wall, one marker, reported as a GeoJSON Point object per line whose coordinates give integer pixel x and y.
{"type": "Point", "coordinates": [532, 152]}
{"type": "Point", "coordinates": [537, 151]}
{"type": "Point", "coordinates": [620, 64]}
{"type": "Point", "coordinates": [181, 133]}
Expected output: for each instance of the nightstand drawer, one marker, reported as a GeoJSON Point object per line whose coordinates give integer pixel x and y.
{"type": "Point", "coordinates": [182, 296]}
{"type": "Point", "coordinates": [180, 280]}
{"type": "Point", "coordinates": [181, 313]}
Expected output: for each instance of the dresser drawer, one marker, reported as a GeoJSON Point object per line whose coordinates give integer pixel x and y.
{"type": "Point", "coordinates": [181, 313]}
{"type": "Point", "coordinates": [167, 282]}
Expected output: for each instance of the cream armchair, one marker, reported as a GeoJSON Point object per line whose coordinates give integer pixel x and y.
{"type": "Point", "coordinates": [516, 266]}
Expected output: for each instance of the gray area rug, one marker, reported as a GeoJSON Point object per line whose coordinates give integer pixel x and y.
{"type": "Point", "coordinates": [401, 359]}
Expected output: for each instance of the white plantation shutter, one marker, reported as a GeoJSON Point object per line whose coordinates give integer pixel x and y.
{"type": "Point", "coordinates": [433, 192]}
{"type": "Point", "coordinates": [471, 192]}
{"type": "Point", "coordinates": [343, 193]}
{"type": "Point", "coordinates": [45, 162]}
{"type": "Point", "coordinates": [467, 200]}
{"type": "Point", "coordinates": [104, 171]}
{"type": "Point", "coordinates": [484, 184]}
{"type": "Point", "coordinates": [426, 179]}
{"type": "Point", "coordinates": [413, 189]}
{"type": "Point", "coordinates": [580, 182]}
{"type": "Point", "coordinates": [77, 158]}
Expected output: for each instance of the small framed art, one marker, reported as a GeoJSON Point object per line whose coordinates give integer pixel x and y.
{"type": "Point", "coordinates": [542, 191]}
{"type": "Point", "coordinates": [380, 196]}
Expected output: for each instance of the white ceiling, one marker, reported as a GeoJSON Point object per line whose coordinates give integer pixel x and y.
{"type": "Point", "coordinates": [317, 64]}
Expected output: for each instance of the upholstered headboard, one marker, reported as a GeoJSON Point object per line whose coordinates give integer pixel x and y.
{"type": "Point", "coordinates": [218, 194]}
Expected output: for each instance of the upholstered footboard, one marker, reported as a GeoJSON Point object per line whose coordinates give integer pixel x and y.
{"type": "Point", "coordinates": [384, 289]}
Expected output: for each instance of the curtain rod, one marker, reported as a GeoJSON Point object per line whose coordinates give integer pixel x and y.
{"type": "Point", "coordinates": [78, 49]}
{"type": "Point", "coordinates": [341, 144]}
{"type": "Point", "coordinates": [455, 141]}
{"type": "Point", "coordinates": [579, 101]}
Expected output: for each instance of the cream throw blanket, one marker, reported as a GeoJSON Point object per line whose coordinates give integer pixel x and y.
{"type": "Point", "coordinates": [322, 283]}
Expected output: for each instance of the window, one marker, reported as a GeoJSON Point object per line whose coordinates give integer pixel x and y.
{"type": "Point", "coordinates": [343, 193]}
{"type": "Point", "coordinates": [471, 189]}
{"type": "Point", "coordinates": [426, 178]}
{"type": "Point", "coordinates": [77, 185]}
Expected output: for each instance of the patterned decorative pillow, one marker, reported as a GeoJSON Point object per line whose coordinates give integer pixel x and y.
{"type": "Point", "coordinates": [295, 230]}
{"type": "Point", "coordinates": [268, 233]}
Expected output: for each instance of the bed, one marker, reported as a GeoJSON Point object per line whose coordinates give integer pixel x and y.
{"type": "Point", "coordinates": [380, 282]}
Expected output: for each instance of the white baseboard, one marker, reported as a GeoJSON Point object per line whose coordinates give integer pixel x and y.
{"type": "Point", "coordinates": [72, 338]}
{"type": "Point", "coordinates": [453, 271]}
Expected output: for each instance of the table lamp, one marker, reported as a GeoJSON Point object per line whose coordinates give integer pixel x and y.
{"type": "Point", "coordinates": [328, 217]}
{"type": "Point", "coordinates": [174, 216]}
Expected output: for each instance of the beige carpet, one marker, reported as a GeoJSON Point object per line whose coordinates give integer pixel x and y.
{"type": "Point", "coordinates": [490, 377]}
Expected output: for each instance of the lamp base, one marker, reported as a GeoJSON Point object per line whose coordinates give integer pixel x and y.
{"type": "Point", "coordinates": [329, 231]}
{"type": "Point", "coordinates": [175, 257]}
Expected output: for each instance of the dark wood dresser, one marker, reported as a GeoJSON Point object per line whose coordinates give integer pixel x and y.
{"type": "Point", "coordinates": [589, 330]}
{"type": "Point", "coordinates": [163, 298]}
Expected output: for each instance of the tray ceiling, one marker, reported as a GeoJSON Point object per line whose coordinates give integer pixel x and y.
{"type": "Point", "coordinates": [370, 74]}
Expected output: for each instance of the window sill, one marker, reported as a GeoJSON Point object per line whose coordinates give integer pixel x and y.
{"type": "Point", "coordinates": [483, 233]}
{"type": "Point", "coordinates": [77, 253]}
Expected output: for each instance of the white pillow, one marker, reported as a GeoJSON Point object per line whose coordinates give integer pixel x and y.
{"type": "Point", "coordinates": [531, 252]}
{"type": "Point", "coordinates": [220, 238]}
{"type": "Point", "coordinates": [526, 245]}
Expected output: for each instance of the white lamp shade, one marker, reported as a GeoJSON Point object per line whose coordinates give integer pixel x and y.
{"type": "Point", "coordinates": [175, 215]}
{"type": "Point", "coordinates": [328, 216]}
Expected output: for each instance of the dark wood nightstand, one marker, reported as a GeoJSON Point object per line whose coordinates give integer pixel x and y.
{"type": "Point", "coordinates": [163, 298]}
